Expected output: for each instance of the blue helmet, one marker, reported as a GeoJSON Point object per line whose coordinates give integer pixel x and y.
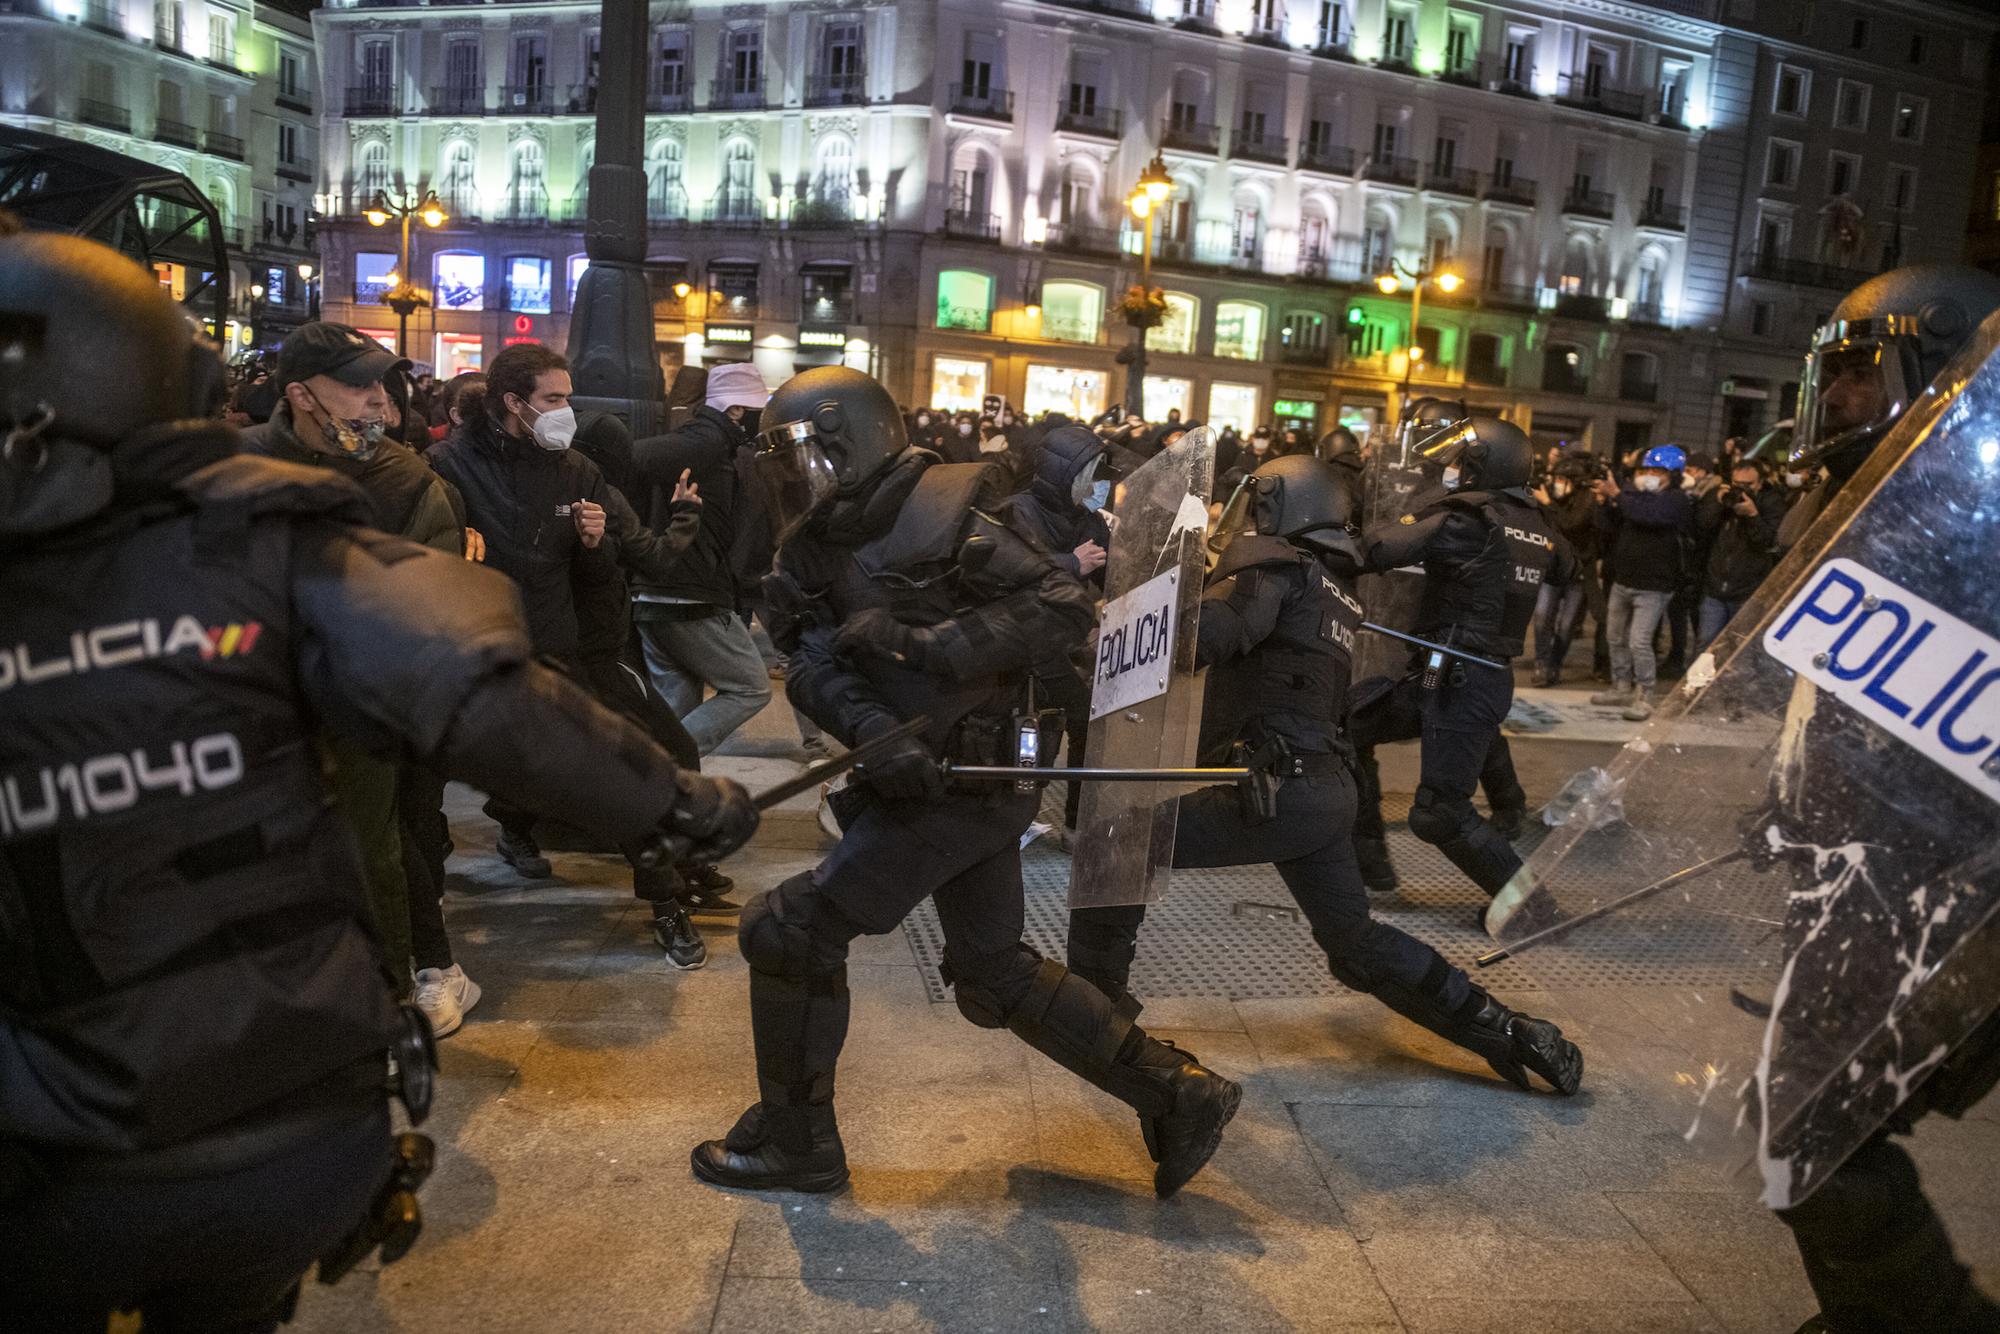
{"type": "Point", "coordinates": [1670, 457]}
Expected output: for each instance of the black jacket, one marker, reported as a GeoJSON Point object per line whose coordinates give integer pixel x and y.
{"type": "Point", "coordinates": [1575, 517]}
{"type": "Point", "coordinates": [1644, 535]}
{"type": "Point", "coordinates": [1045, 514]}
{"type": "Point", "coordinates": [1486, 555]}
{"type": "Point", "coordinates": [1743, 549]}
{"type": "Point", "coordinates": [409, 499]}
{"type": "Point", "coordinates": [518, 495]}
{"type": "Point", "coordinates": [705, 447]}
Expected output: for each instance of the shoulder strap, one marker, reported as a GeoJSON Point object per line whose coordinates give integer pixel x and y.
{"type": "Point", "coordinates": [1251, 550]}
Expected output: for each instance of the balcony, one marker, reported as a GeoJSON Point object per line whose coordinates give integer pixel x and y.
{"type": "Point", "coordinates": [582, 99]}
{"type": "Point", "coordinates": [735, 210]}
{"type": "Point", "coordinates": [1248, 145]}
{"type": "Point", "coordinates": [1141, 10]}
{"type": "Point", "coordinates": [1327, 158]}
{"type": "Point", "coordinates": [1662, 216]}
{"type": "Point", "coordinates": [1397, 55]}
{"type": "Point", "coordinates": [532, 210]}
{"type": "Point", "coordinates": [175, 132]}
{"type": "Point", "coordinates": [1335, 45]}
{"type": "Point", "coordinates": [1585, 202]}
{"type": "Point", "coordinates": [1389, 170]}
{"type": "Point", "coordinates": [527, 99]}
{"type": "Point", "coordinates": [1509, 189]}
{"type": "Point", "coordinates": [968, 224]}
{"type": "Point", "coordinates": [1303, 356]}
{"type": "Point", "coordinates": [1076, 239]}
{"type": "Point", "coordinates": [1647, 312]}
{"type": "Point", "coordinates": [108, 115]}
{"type": "Point", "coordinates": [223, 145]}
{"type": "Point", "coordinates": [1591, 92]}
{"type": "Point", "coordinates": [458, 100]}
{"type": "Point", "coordinates": [1507, 296]}
{"type": "Point", "coordinates": [370, 100]}
{"type": "Point", "coordinates": [1100, 122]}
{"type": "Point", "coordinates": [1802, 272]}
{"type": "Point", "coordinates": [669, 98]}
{"type": "Point", "coordinates": [1319, 266]}
{"type": "Point", "coordinates": [1452, 180]}
{"type": "Point", "coordinates": [1596, 309]}
{"type": "Point", "coordinates": [1189, 136]}
{"type": "Point", "coordinates": [1559, 377]}
{"type": "Point", "coordinates": [105, 16]}
{"type": "Point", "coordinates": [1485, 371]}
{"type": "Point", "coordinates": [981, 101]}
{"type": "Point", "coordinates": [1638, 389]}
{"type": "Point", "coordinates": [301, 172]}
{"type": "Point", "coordinates": [836, 90]}
{"type": "Point", "coordinates": [1464, 72]}
{"type": "Point", "coordinates": [292, 99]}
{"type": "Point", "coordinates": [667, 204]}
{"type": "Point", "coordinates": [1197, 16]}
{"type": "Point", "coordinates": [733, 94]}
{"type": "Point", "coordinates": [827, 214]}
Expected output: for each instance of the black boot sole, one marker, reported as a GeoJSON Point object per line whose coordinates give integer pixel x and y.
{"type": "Point", "coordinates": [1166, 1183]}
{"type": "Point", "coordinates": [803, 1183]}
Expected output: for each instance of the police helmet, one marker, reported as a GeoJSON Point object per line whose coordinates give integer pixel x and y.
{"type": "Point", "coordinates": [1427, 420]}
{"type": "Point", "coordinates": [1490, 454]}
{"type": "Point", "coordinates": [92, 348]}
{"type": "Point", "coordinates": [827, 431]}
{"type": "Point", "coordinates": [1885, 343]}
{"type": "Point", "coordinates": [1305, 500]}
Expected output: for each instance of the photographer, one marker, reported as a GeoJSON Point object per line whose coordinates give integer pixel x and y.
{"type": "Point", "coordinates": [1739, 523]}
{"type": "Point", "coordinates": [1567, 496]}
{"type": "Point", "coordinates": [1643, 530]}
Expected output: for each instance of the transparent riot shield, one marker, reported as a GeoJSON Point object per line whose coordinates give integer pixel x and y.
{"type": "Point", "coordinates": [1390, 487]}
{"type": "Point", "coordinates": [1145, 697]}
{"type": "Point", "coordinates": [1796, 920]}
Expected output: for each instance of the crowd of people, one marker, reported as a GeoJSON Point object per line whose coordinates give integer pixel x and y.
{"type": "Point", "coordinates": [377, 583]}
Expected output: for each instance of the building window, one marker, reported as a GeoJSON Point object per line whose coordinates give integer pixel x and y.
{"type": "Point", "coordinates": [1072, 312]}
{"type": "Point", "coordinates": [1167, 394]}
{"type": "Point", "coordinates": [1857, 36]}
{"type": "Point", "coordinates": [1303, 335]}
{"type": "Point", "coordinates": [1916, 48]}
{"type": "Point", "coordinates": [1760, 318]}
{"type": "Point", "coordinates": [1485, 359]}
{"type": "Point", "coordinates": [665, 199]}
{"type": "Point", "coordinates": [455, 186]}
{"type": "Point", "coordinates": [1909, 122]}
{"type": "Point", "coordinates": [833, 173]}
{"type": "Point", "coordinates": [577, 264]}
{"type": "Point", "coordinates": [376, 64]}
{"type": "Point", "coordinates": [1794, 90]}
{"type": "Point", "coordinates": [965, 300]}
{"type": "Point", "coordinates": [1850, 109]}
{"type": "Point", "coordinates": [1175, 331]}
{"type": "Point", "coordinates": [825, 292]}
{"type": "Point", "coordinates": [459, 353]}
{"type": "Point", "coordinates": [527, 196]}
{"type": "Point", "coordinates": [737, 199]}
{"type": "Point", "coordinates": [1331, 30]}
{"type": "Point", "coordinates": [1903, 188]}
{"type": "Point", "coordinates": [460, 280]}
{"type": "Point", "coordinates": [732, 291]}
{"type": "Point", "coordinates": [1843, 174]}
{"type": "Point", "coordinates": [1233, 405]}
{"type": "Point", "coordinates": [1239, 330]}
{"type": "Point", "coordinates": [743, 63]}
{"type": "Point", "coordinates": [288, 144]}
{"type": "Point", "coordinates": [1077, 393]}
{"type": "Point", "coordinates": [528, 284]}
{"type": "Point", "coordinates": [291, 75]}
{"type": "Point", "coordinates": [958, 385]}
{"type": "Point", "coordinates": [670, 70]}
{"type": "Point", "coordinates": [1781, 166]}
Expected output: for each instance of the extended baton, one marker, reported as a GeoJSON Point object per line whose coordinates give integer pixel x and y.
{"type": "Point", "coordinates": [996, 773]}
{"type": "Point", "coordinates": [1492, 957]}
{"type": "Point", "coordinates": [1436, 648]}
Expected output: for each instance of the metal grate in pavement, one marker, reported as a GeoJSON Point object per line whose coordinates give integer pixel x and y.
{"type": "Point", "coordinates": [1211, 938]}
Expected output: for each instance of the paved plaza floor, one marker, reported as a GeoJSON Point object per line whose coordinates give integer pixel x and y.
{"type": "Point", "coordinates": [1375, 1179]}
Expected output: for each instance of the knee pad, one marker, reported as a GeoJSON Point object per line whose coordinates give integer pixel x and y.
{"type": "Point", "coordinates": [989, 988]}
{"type": "Point", "coordinates": [1436, 821]}
{"type": "Point", "coordinates": [777, 936]}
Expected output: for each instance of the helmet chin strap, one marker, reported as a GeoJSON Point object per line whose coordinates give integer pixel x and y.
{"type": "Point", "coordinates": [29, 432]}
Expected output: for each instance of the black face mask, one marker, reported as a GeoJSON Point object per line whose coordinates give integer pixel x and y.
{"type": "Point", "coordinates": [751, 417]}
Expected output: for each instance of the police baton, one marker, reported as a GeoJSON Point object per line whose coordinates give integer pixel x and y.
{"type": "Point", "coordinates": [1491, 957]}
{"type": "Point", "coordinates": [1437, 649]}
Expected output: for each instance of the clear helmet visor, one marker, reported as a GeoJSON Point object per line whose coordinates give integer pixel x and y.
{"type": "Point", "coordinates": [794, 476]}
{"type": "Point", "coordinates": [1417, 433]}
{"type": "Point", "coordinates": [1237, 518]}
{"type": "Point", "coordinates": [1445, 446]}
{"type": "Point", "coordinates": [1855, 385]}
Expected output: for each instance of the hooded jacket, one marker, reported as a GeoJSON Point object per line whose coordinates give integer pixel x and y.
{"type": "Point", "coordinates": [706, 448]}
{"type": "Point", "coordinates": [1044, 513]}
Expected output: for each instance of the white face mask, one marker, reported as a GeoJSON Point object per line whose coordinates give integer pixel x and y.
{"type": "Point", "coordinates": [1559, 489]}
{"type": "Point", "coordinates": [1795, 480]}
{"type": "Point", "coordinates": [1650, 483]}
{"type": "Point", "coordinates": [965, 428]}
{"type": "Point", "coordinates": [554, 430]}
{"type": "Point", "coordinates": [923, 419]}
{"type": "Point", "coordinates": [1451, 479]}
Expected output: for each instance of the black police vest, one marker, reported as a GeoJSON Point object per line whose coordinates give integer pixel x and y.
{"type": "Point", "coordinates": [1301, 669]}
{"type": "Point", "coordinates": [1483, 599]}
{"type": "Point", "coordinates": [182, 936]}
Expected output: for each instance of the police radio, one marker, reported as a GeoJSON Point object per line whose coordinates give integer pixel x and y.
{"type": "Point", "coordinates": [1434, 669]}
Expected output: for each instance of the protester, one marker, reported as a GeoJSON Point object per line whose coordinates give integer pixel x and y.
{"type": "Point", "coordinates": [1571, 505]}
{"type": "Point", "coordinates": [1741, 523]}
{"type": "Point", "coordinates": [1644, 531]}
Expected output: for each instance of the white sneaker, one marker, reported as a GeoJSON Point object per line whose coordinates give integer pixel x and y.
{"type": "Point", "coordinates": [444, 995]}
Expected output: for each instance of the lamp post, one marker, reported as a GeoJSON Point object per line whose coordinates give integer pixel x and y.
{"type": "Point", "coordinates": [1153, 190]}
{"type": "Point", "coordinates": [1390, 281]}
{"type": "Point", "coordinates": [256, 316]}
{"type": "Point", "coordinates": [405, 296]}
{"type": "Point", "coordinates": [309, 275]}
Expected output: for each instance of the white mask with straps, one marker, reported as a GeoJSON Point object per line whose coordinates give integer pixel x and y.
{"type": "Point", "coordinates": [554, 430]}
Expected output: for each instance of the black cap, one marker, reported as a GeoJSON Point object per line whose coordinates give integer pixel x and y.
{"type": "Point", "coordinates": [338, 350]}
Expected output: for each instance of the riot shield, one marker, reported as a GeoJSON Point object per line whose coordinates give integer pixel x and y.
{"type": "Point", "coordinates": [1796, 921]}
{"type": "Point", "coordinates": [1145, 698]}
{"type": "Point", "coordinates": [1390, 485]}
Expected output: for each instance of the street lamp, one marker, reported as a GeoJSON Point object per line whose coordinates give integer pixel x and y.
{"type": "Point", "coordinates": [256, 315]}
{"type": "Point", "coordinates": [405, 296]}
{"type": "Point", "coordinates": [307, 275]}
{"type": "Point", "coordinates": [1155, 187]}
{"type": "Point", "coordinates": [1390, 281]}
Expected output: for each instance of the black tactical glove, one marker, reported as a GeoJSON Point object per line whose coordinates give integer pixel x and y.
{"type": "Point", "coordinates": [874, 632]}
{"type": "Point", "coordinates": [906, 772]}
{"type": "Point", "coordinates": [712, 817]}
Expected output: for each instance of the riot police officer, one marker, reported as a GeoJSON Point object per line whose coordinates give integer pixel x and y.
{"type": "Point", "coordinates": [1875, 1251]}
{"type": "Point", "coordinates": [1276, 635]}
{"type": "Point", "coordinates": [194, 1016]}
{"type": "Point", "coordinates": [1486, 549]}
{"type": "Point", "coordinates": [896, 597]}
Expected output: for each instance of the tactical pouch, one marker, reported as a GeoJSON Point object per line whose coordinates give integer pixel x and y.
{"type": "Point", "coordinates": [415, 1053]}
{"type": "Point", "coordinates": [394, 1221]}
{"type": "Point", "coordinates": [1269, 765]}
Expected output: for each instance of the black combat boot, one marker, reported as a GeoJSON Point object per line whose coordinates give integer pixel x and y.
{"type": "Point", "coordinates": [777, 1148]}
{"type": "Point", "coordinates": [1201, 1103]}
{"type": "Point", "coordinates": [1515, 1043]}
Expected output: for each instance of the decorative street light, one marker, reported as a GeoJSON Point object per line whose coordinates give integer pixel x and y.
{"type": "Point", "coordinates": [1144, 308]}
{"type": "Point", "coordinates": [309, 275]}
{"type": "Point", "coordinates": [405, 296]}
{"type": "Point", "coordinates": [1390, 281]}
{"type": "Point", "coordinates": [256, 316]}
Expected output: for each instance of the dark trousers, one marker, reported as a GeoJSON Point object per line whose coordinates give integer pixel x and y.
{"type": "Point", "coordinates": [426, 844]}
{"type": "Point", "coordinates": [216, 1253]}
{"type": "Point", "coordinates": [1458, 725]}
{"type": "Point", "coordinates": [1309, 843]}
